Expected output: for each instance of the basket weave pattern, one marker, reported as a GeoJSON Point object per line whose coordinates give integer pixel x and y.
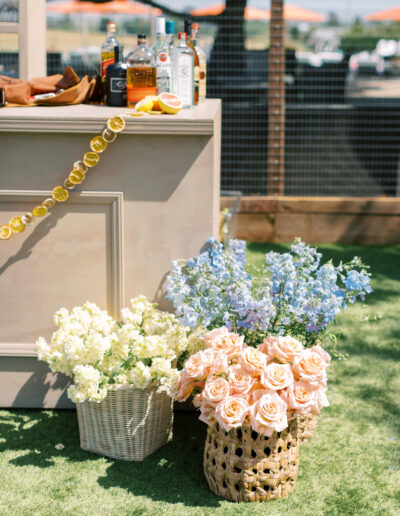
{"type": "Point", "coordinates": [129, 424]}
{"type": "Point", "coordinates": [243, 465]}
{"type": "Point", "coordinates": [306, 425]}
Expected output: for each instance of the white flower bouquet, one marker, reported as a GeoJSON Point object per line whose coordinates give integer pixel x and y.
{"type": "Point", "coordinates": [101, 354]}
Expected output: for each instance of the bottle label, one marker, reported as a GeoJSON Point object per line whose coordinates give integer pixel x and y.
{"type": "Point", "coordinates": [136, 94]}
{"type": "Point", "coordinates": [203, 80]}
{"type": "Point", "coordinates": [117, 85]}
{"type": "Point", "coordinates": [106, 63]}
{"type": "Point", "coordinates": [185, 79]}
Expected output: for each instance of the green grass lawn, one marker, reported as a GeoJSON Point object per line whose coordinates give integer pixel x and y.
{"type": "Point", "coordinates": [350, 467]}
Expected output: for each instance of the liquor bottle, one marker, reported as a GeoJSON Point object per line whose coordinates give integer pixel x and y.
{"type": "Point", "coordinates": [170, 30]}
{"type": "Point", "coordinates": [184, 68]}
{"type": "Point", "coordinates": [141, 73]}
{"type": "Point", "coordinates": [116, 81]}
{"type": "Point", "coordinates": [202, 62]}
{"type": "Point", "coordinates": [196, 73]}
{"type": "Point", "coordinates": [107, 49]}
{"type": "Point", "coordinates": [162, 55]}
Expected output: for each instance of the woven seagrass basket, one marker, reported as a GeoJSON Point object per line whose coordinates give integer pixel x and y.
{"type": "Point", "coordinates": [129, 424]}
{"type": "Point", "coordinates": [306, 426]}
{"type": "Point", "coordinates": [244, 466]}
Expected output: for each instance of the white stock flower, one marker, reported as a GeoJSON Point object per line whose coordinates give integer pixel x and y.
{"type": "Point", "coordinates": [140, 376]}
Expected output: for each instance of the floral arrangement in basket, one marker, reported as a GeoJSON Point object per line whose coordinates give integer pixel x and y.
{"type": "Point", "coordinates": [102, 354]}
{"type": "Point", "coordinates": [264, 387]}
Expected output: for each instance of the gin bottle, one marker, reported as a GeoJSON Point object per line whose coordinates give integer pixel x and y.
{"type": "Point", "coordinates": [184, 64]}
{"type": "Point", "coordinates": [116, 81]}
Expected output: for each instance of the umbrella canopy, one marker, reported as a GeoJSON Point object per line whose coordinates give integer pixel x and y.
{"type": "Point", "coordinates": [291, 13]}
{"type": "Point", "coordinates": [386, 15]}
{"type": "Point", "coordinates": [115, 7]}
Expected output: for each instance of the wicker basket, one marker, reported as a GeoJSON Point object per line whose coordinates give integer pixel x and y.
{"type": "Point", "coordinates": [306, 425]}
{"type": "Point", "coordinates": [129, 424]}
{"type": "Point", "coordinates": [245, 466]}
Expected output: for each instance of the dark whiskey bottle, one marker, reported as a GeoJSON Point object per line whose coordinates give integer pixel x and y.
{"type": "Point", "coordinates": [116, 81]}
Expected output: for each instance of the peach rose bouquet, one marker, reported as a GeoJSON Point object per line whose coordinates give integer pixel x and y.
{"type": "Point", "coordinates": [265, 387]}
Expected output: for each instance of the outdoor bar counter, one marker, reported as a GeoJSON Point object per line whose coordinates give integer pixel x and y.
{"type": "Point", "coordinates": [152, 198]}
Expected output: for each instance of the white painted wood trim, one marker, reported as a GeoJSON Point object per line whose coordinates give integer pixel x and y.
{"type": "Point", "coordinates": [116, 276]}
{"type": "Point", "coordinates": [32, 38]}
{"type": "Point", "coordinates": [156, 125]}
{"type": "Point", "coordinates": [10, 28]}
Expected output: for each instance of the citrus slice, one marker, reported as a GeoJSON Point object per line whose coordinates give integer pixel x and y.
{"type": "Point", "coordinates": [109, 136]}
{"type": "Point", "coordinates": [145, 105]}
{"type": "Point", "coordinates": [39, 211]}
{"type": "Point", "coordinates": [170, 103]}
{"type": "Point", "coordinates": [17, 225]}
{"type": "Point", "coordinates": [49, 202]}
{"type": "Point", "coordinates": [76, 177]}
{"type": "Point", "coordinates": [135, 113]}
{"type": "Point", "coordinates": [98, 144]}
{"type": "Point", "coordinates": [116, 124]}
{"type": "Point", "coordinates": [156, 104]}
{"type": "Point", "coordinates": [59, 194]}
{"type": "Point", "coordinates": [6, 232]}
{"type": "Point", "coordinates": [154, 112]}
{"type": "Point", "coordinates": [91, 159]}
{"type": "Point", "coordinates": [27, 218]}
{"type": "Point", "coordinates": [81, 166]}
{"type": "Point", "coordinates": [68, 184]}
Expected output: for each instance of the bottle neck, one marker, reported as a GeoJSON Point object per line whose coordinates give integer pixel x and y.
{"type": "Point", "coordinates": [182, 42]}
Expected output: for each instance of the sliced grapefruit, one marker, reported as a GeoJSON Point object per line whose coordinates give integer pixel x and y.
{"type": "Point", "coordinates": [170, 103]}
{"type": "Point", "coordinates": [145, 104]}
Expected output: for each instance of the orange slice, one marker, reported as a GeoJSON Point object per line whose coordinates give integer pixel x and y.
{"type": "Point", "coordinates": [6, 232]}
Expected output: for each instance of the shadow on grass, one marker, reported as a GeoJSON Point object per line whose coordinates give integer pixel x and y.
{"type": "Point", "coordinates": [173, 474]}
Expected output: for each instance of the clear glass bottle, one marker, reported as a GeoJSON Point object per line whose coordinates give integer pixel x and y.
{"type": "Point", "coordinates": [196, 69]}
{"type": "Point", "coordinates": [107, 49]}
{"type": "Point", "coordinates": [202, 62]}
{"type": "Point", "coordinates": [141, 73]}
{"type": "Point", "coordinates": [184, 69]}
{"type": "Point", "coordinates": [170, 31]}
{"type": "Point", "coordinates": [162, 55]}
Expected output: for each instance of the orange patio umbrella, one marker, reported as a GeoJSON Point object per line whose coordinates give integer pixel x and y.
{"type": "Point", "coordinates": [116, 7]}
{"type": "Point", "coordinates": [291, 12]}
{"type": "Point", "coordinates": [392, 14]}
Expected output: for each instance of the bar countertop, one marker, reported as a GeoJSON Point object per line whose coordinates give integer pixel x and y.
{"type": "Point", "coordinates": [85, 118]}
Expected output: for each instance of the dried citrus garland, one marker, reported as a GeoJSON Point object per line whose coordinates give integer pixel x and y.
{"type": "Point", "coordinates": [98, 144]}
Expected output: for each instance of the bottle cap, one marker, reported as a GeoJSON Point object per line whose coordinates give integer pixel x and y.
{"type": "Point", "coordinates": [111, 27]}
{"type": "Point", "coordinates": [141, 36]}
{"type": "Point", "coordinates": [169, 26]}
{"type": "Point", "coordinates": [182, 35]}
{"type": "Point", "coordinates": [188, 27]}
{"type": "Point", "coordinates": [160, 25]}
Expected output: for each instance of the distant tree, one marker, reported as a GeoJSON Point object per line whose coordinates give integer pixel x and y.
{"type": "Point", "coordinates": [333, 19]}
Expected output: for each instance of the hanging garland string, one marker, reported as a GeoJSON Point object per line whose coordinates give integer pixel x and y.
{"type": "Point", "coordinates": [98, 144]}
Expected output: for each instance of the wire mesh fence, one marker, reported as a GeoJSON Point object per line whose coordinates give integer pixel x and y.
{"type": "Point", "coordinates": [342, 89]}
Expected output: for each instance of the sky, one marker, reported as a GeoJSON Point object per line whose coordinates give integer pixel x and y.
{"type": "Point", "coordinates": [346, 9]}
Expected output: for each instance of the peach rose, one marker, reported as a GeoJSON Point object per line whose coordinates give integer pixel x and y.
{"type": "Point", "coordinates": [229, 343]}
{"type": "Point", "coordinates": [210, 336]}
{"type": "Point", "coordinates": [197, 366]}
{"type": "Point", "coordinates": [268, 414]}
{"type": "Point", "coordinates": [322, 353]}
{"type": "Point", "coordinates": [240, 381]}
{"type": "Point", "coordinates": [252, 361]}
{"type": "Point", "coordinates": [285, 349]}
{"type": "Point", "coordinates": [321, 401]}
{"type": "Point", "coordinates": [215, 391]}
{"type": "Point", "coordinates": [300, 397]}
{"type": "Point", "coordinates": [277, 376]}
{"type": "Point", "coordinates": [231, 412]}
{"type": "Point", "coordinates": [207, 414]}
{"type": "Point", "coordinates": [219, 362]}
{"type": "Point", "coordinates": [182, 388]}
{"type": "Point", "coordinates": [310, 367]}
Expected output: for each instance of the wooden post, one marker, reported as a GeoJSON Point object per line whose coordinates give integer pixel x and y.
{"type": "Point", "coordinates": [276, 101]}
{"type": "Point", "coordinates": [32, 38]}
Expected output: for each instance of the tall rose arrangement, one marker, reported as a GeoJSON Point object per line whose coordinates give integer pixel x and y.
{"type": "Point", "coordinates": [100, 353]}
{"type": "Point", "coordinates": [265, 387]}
